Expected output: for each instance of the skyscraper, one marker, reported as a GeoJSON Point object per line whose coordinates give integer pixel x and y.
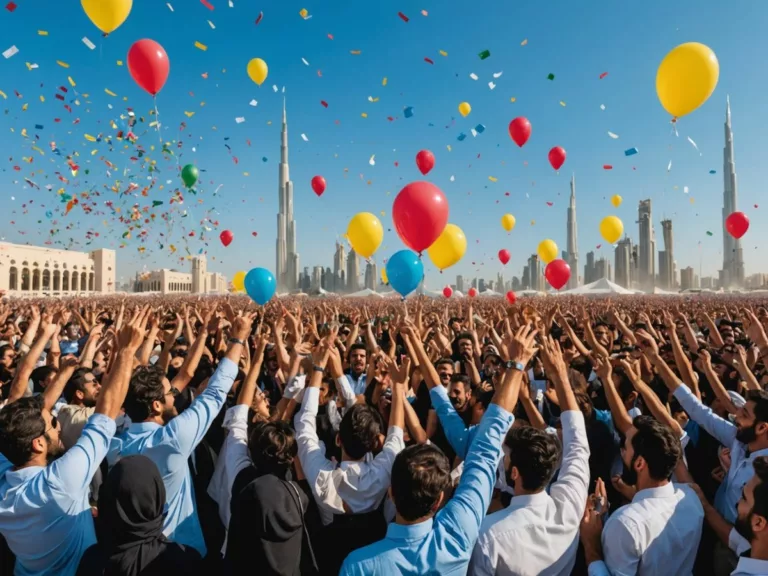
{"type": "Point", "coordinates": [371, 275]}
{"type": "Point", "coordinates": [647, 252]}
{"type": "Point", "coordinates": [535, 275]}
{"type": "Point", "coordinates": [669, 280]}
{"type": "Point", "coordinates": [733, 257]}
{"type": "Point", "coordinates": [339, 262]}
{"type": "Point", "coordinates": [623, 263]}
{"type": "Point", "coordinates": [287, 259]}
{"type": "Point", "coordinates": [571, 254]}
{"type": "Point", "coordinates": [460, 283]}
{"type": "Point", "coordinates": [353, 271]}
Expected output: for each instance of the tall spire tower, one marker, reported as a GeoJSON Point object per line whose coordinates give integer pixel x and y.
{"type": "Point", "coordinates": [733, 257]}
{"type": "Point", "coordinates": [571, 254]}
{"type": "Point", "coordinates": [287, 260]}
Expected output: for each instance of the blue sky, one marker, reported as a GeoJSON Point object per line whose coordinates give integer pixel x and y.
{"type": "Point", "coordinates": [576, 42]}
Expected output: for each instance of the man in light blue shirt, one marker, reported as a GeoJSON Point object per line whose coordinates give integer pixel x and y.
{"type": "Point", "coordinates": [169, 440]}
{"type": "Point", "coordinates": [423, 540]}
{"type": "Point", "coordinates": [45, 515]}
{"type": "Point", "coordinates": [357, 377]}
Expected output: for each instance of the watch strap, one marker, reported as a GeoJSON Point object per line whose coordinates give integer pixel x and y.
{"type": "Point", "coordinates": [236, 341]}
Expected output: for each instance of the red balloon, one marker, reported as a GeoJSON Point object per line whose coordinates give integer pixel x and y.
{"type": "Point", "coordinates": [149, 65]}
{"type": "Point", "coordinates": [425, 161]}
{"type": "Point", "coordinates": [520, 130]}
{"type": "Point", "coordinates": [472, 293]}
{"type": "Point", "coordinates": [504, 256]}
{"type": "Point", "coordinates": [511, 298]}
{"type": "Point", "coordinates": [737, 224]}
{"type": "Point", "coordinates": [447, 292]}
{"type": "Point", "coordinates": [318, 185]}
{"type": "Point", "coordinates": [226, 237]}
{"type": "Point", "coordinates": [557, 157]}
{"type": "Point", "coordinates": [420, 212]}
{"type": "Point", "coordinates": [557, 273]}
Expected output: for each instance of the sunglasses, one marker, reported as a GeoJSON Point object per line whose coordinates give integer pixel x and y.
{"type": "Point", "coordinates": [54, 425]}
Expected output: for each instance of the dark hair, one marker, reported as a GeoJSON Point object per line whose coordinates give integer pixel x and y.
{"type": "Point", "coordinates": [483, 396]}
{"type": "Point", "coordinates": [358, 346]}
{"type": "Point", "coordinates": [4, 349]}
{"type": "Point", "coordinates": [146, 387]}
{"type": "Point", "coordinates": [76, 383]}
{"type": "Point", "coordinates": [583, 365]}
{"type": "Point", "coordinates": [442, 361]}
{"type": "Point", "coordinates": [359, 430]}
{"type": "Point", "coordinates": [586, 406]}
{"type": "Point", "coordinates": [464, 336]}
{"type": "Point", "coordinates": [760, 507]}
{"type": "Point", "coordinates": [535, 454]}
{"type": "Point", "coordinates": [658, 445]}
{"type": "Point", "coordinates": [760, 398]}
{"type": "Point", "coordinates": [464, 379]}
{"type": "Point", "coordinates": [38, 375]}
{"type": "Point", "coordinates": [20, 423]}
{"type": "Point", "coordinates": [419, 475]}
{"type": "Point", "coordinates": [273, 447]}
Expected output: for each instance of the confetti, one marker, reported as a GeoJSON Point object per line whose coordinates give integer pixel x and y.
{"type": "Point", "coordinates": [709, 233]}
{"type": "Point", "coordinates": [304, 137]}
{"type": "Point", "coordinates": [669, 166]}
{"type": "Point", "coordinates": [211, 25]}
{"type": "Point", "coordinates": [240, 119]}
{"type": "Point", "coordinates": [453, 178]}
{"type": "Point", "coordinates": [602, 106]}
{"type": "Point", "coordinates": [11, 51]}
{"type": "Point", "coordinates": [473, 76]}
{"type": "Point", "coordinates": [202, 47]}
{"type": "Point", "coordinates": [304, 13]}
{"type": "Point", "coordinates": [88, 43]}
{"type": "Point", "coordinates": [443, 53]}
{"type": "Point", "coordinates": [189, 114]}
{"type": "Point", "coordinates": [685, 189]}
{"type": "Point", "coordinates": [524, 42]}
{"type": "Point", "coordinates": [428, 60]}
{"type": "Point", "coordinates": [694, 145]}
{"type": "Point", "coordinates": [372, 99]}
{"type": "Point", "coordinates": [355, 52]}
{"type": "Point", "coordinates": [513, 99]}
{"type": "Point", "coordinates": [372, 161]}
{"type": "Point", "coordinates": [169, 6]}
{"type": "Point", "coordinates": [493, 179]}
{"type": "Point", "coordinates": [461, 137]}
{"type": "Point", "coordinates": [480, 128]}
{"type": "Point", "coordinates": [62, 64]}
{"type": "Point", "coordinates": [550, 76]}
{"type": "Point", "coordinates": [119, 62]}
{"type": "Point", "coordinates": [484, 54]}
{"type": "Point", "coordinates": [109, 92]}
{"type": "Point", "coordinates": [603, 75]}
{"type": "Point", "coordinates": [408, 111]}
{"type": "Point", "coordinates": [612, 135]}
{"type": "Point", "coordinates": [253, 103]}
{"type": "Point", "coordinates": [11, 6]}
{"type": "Point", "coordinates": [607, 167]}
{"type": "Point", "coordinates": [713, 171]}
{"type": "Point", "coordinates": [491, 85]}
{"type": "Point", "coordinates": [403, 17]}
{"type": "Point", "coordinates": [630, 152]}
{"type": "Point", "coordinates": [364, 115]}
{"type": "Point", "coordinates": [562, 103]}
{"type": "Point", "coordinates": [323, 103]}
{"type": "Point", "coordinates": [305, 62]}
{"type": "Point", "coordinates": [42, 33]}
{"type": "Point", "coordinates": [207, 4]}
{"type": "Point", "coordinates": [258, 18]}
{"type": "Point", "coordinates": [384, 81]}
{"type": "Point", "coordinates": [497, 74]}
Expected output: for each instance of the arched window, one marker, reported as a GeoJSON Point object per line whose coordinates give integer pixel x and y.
{"type": "Point", "coordinates": [83, 281]}
{"type": "Point", "coordinates": [25, 279]}
{"type": "Point", "coordinates": [65, 281]}
{"type": "Point", "coordinates": [13, 278]}
{"type": "Point", "coordinates": [35, 279]}
{"type": "Point", "coordinates": [73, 281]}
{"type": "Point", "coordinates": [56, 280]}
{"type": "Point", "coordinates": [91, 282]}
{"type": "Point", "coordinates": [46, 280]}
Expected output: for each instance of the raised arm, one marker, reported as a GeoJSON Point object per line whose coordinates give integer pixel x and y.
{"type": "Point", "coordinates": [188, 368]}
{"type": "Point", "coordinates": [621, 418]}
{"type": "Point", "coordinates": [24, 371]}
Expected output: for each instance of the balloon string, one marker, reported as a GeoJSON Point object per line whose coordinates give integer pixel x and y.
{"type": "Point", "coordinates": [157, 123]}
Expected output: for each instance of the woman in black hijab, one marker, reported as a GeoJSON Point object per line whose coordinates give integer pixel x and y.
{"type": "Point", "coordinates": [131, 504]}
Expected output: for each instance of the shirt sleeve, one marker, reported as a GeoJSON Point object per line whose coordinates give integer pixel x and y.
{"type": "Point", "coordinates": [724, 431]}
{"type": "Point", "coordinates": [311, 454]}
{"type": "Point", "coordinates": [737, 542]}
{"type": "Point", "coordinates": [598, 569]}
{"type": "Point", "coordinates": [456, 432]}
{"type": "Point", "coordinates": [620, 547]}
{"type": "Point", "coordinates": [572, 487]}
{"type": "Point", "coordinates": [73, 472]}
{"type": "Point", "coordinates": [382, 463]}
{"type": "Point", "coordinates": [188, 428]}
{"type": "Point", "coordinates": [345, 391]}
{"type": "Point", "coordinates": [232, 460]}
{"type": "Point", "coordinates": [464, 513]}
{"type": "Point", "coordinates": [481, 563]}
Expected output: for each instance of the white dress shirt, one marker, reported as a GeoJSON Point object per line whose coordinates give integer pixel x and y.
{"type": "Point", "coordinates": [360, 485]}
{"type": "Point", "coordinates": [747, 566]}
{"type": "Point", "coordinates": [538, 534]}
{"type": "Point", "coordinates": [657, 533]}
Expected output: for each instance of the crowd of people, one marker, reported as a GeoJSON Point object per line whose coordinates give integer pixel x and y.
{"type": "Point", "coordinates": [363, 437]}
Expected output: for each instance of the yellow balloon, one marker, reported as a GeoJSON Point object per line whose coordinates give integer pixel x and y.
{"type": "Point", "coordinates": [449, 247]}
{"type": "Point", "coordinates": [258, 70]}
{"type": "Point", "coordinates": [686, 78]}
{"type": "Point", "coordinates": [365, 233]}
{"type": "Point", "coordinates": [616, 200]}
{"type": "Point", "coordinates": [107, 15]}
{"type": "Point", "coordinates": [611, 229]}
{"type": "Point", "coordinates": [508, 222]}
{"type": "Point", "coordinates": [465, 109]}
{"type": "Point", "coordinates": [547, 250]}
{"type": "Point", "coordinates": [384, 277]}
{"type": "Point", "coordinates": [238, 282]}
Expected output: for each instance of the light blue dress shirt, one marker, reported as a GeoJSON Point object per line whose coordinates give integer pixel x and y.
{"type": "Point", "coordinates": [357, 384]}
{"type": "Point", "coordinates": [459, 436]}
{"type": "Point", "coordinates": [170, 446]}
{"type": "Point", "coordinates": [45, 515]}
{"type": "Point", "coordinates": [443, 544]}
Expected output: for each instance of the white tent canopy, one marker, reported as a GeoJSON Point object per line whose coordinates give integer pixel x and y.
{"type": "Point", "coordinates": [365, 293]}
{"type": "Point", "coordinates": [599, 288]}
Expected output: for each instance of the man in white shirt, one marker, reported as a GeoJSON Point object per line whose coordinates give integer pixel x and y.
{"type": "Point", "coordinates": [538, 532]}
{"type": "Point", "coordinates": [659, 531]}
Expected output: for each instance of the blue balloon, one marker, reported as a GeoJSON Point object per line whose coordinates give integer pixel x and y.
{"type": "Point", "coordinates": [260, 285]}
{"type": "Point", "coordinates": [405, 271]}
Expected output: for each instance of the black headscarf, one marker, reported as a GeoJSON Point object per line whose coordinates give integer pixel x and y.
{"type": "Point", "coordinates": [131, 504]}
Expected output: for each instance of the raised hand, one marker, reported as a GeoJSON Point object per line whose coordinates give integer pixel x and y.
{"type": "Point", "coordinates": [132, 334]}
{"type": "Point", "coordinates": [521, 346]}
{"type": "Point", "coordinates": [242, 325]}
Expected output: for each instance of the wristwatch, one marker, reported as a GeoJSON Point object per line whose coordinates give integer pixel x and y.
{"type": "Point", "coordinates": [317, 368]}
{"type": "Point", "coordinates": [516, 365]}
{"type": "Point", "coordinates": [236, 341]}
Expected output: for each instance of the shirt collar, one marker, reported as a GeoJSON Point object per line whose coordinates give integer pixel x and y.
{"type": "Point", "coordinates": [139, 427]}
{"type": "Point", "coordinates": [17, 477]}
{"type": "Point", "coordinates": [409, 532]}
{"type": "Point", "coordinates": [751, 566]}
{"type": "Point", "coordinates": [756, 453]}
{"type": "Point", "coordinates": [665, 491]}
{"type": "Point", "coordinates": [528, 500]}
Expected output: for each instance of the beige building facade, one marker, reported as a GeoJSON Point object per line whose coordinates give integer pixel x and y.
{"type": "Point", "coordinates": [41, 271]}
{"type": "Point", "coordinates": [166, 281]}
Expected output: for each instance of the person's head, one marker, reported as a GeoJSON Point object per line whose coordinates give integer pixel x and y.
{"type": "Point", "coordinates": [270, 360]}
{"type": "Point", "coordinates": [531, 458]}
{"type": "Point", "coordinates": [360, 431]}
{"type": "Point", "coordinates": [445, 370]}
{"type": "Point", "coordinates": [491, 366]}
{"type": "Point", "coordinates": [7, 356]}
{"type": "Point", "coordinates": [650, 452]}
{"type": "Point", "coordinates": [42, 377]}
{"type": "Point", "coordinates": [752, 508]}
{"type": "Point", "coordinates": [150, 396]}
{"type": "Point", "coordinates": [82, 388]}
{"type": "Point", "coordinates": [420, 476]}
{"type": "Point", "coordinates": [459, 391]}
{"type": "Point", "coordinates": [29, 434]}
{"type": "Point", "coordinates": [72, 330]}
{"type": "Point", "coordinates": [260, 403]}
{"type": "Point", "coordinates": [626, 390]}
{"type": "Point", "coordinates": [273, 447]}
{"type": "Point", "coordinates": [464, 343]}
{"type": "Point", "coordinates": [752, 419]}
{"type": "Point", "coordinates": [479, 403]}
{"type": "Point", "coordinates": [357, 358]}
{"type": "Point", "coordinates": [603, 335]}
{"type": "Point", "coordinates": [327, 387]}
{"type": "Point", "coordinates": [132, 501]}
{"type": "Point", "coordinates": [455, 324]}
